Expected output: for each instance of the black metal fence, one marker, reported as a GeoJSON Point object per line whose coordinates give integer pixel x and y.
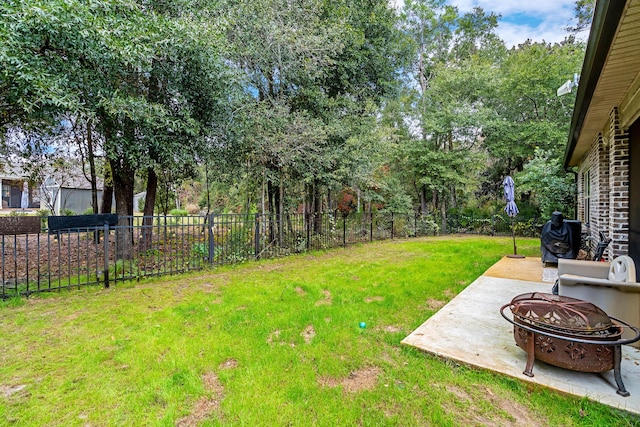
{"type": "Point", "coordinates": [137, 247]}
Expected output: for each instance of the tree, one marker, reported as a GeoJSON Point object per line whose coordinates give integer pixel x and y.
{"type": "Point", "coordinates": [527, 113]}
{"type": "Point", "coordinates": [454, 58]}
{"type": "Point", "coordinates": [547, 184]}
{"type": "Point", "coordinates": [149, 80]}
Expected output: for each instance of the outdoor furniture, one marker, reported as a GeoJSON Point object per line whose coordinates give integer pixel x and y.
{"type": "Point", "coordinates": [610, 286]}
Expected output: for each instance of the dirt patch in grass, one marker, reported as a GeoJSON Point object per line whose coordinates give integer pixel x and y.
{"type": "Point", "coordinates": [7, 391]}
{"type": "Point", "coordinates": [229, 364]}
{"type": "Point", "coordinates": [373, 299]}
{"type": "Point", "coordinates": [435, 304]}
{"type": "Point", "coordinates": [362, 379]}
{"type": "Point", "coordinates": [449, 293]}
{"type": "Point", "coordinates": [506, 412]}
{"type": "Point", "coordinates": [273, 336]}
{"type": "Point", "coordinates": [308, 334]}
{"type": "Point", "coordinates": [327, 300]}
{"type": "Point", "coordinates": [391, 329]}
{"type": "Point", "coordinates": [301, 292]}
{"type": "Point", "coordinates": [206, 406]}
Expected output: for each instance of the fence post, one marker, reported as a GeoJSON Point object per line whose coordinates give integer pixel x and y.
{"type": "Point", "coordinates": [211, 238]}
{"type": "Point", "coordinates": [257, 237]}
{"type": "Point", "coordinates": [391, 225]}
{"type": "Point", "coordinates": [344, 231]}
{"type": "Point", "coordinates": [106, 255]}
{"type": "Point", "coordinates": [308, 227]}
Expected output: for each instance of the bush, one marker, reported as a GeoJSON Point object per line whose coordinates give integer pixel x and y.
{"type": "Point", "coordinates": [427, 225]}
{"type": "Point", "coordinates": [178, 212]}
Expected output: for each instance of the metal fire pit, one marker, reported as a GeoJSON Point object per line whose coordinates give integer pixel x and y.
{"type": "Point", "coordinates": [568, 333]}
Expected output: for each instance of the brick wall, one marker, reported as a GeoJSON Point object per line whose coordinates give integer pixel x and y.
{"type": "Point", "coordinates": [618, 186]}
{"type": "Point", "coordinates": [607, 163]}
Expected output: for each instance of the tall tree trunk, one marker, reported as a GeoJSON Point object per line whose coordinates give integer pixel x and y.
{"type": "Point", "coordinates": [107, 189]}
{"type": "Point", "coordinates": [149, 204]}
{"type": "Point", "coordinates": [92, 167]}
{"type": "Point", "coordinates": [434, 201]}
{"type": "Point", "coordinates": [271, 199]}
{"type": "Point", "coordinates": [281, 210]}
{"type": "Point", "coordinates": [443, 213]}
{"type": "Point", "coordinates": [123, 178]}
{"type": "Point", "coordinates": [317, 209]}
{"type": "Point", "coordinates": [423, 200]}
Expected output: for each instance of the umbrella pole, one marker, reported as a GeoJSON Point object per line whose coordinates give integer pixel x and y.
{"type": "Point", "coordinates": [515, 251]}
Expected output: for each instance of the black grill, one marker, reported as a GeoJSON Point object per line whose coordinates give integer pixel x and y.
{"type": "Point", "coordinates": [560, 238]}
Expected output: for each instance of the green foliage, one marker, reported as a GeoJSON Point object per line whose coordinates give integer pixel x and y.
{"type": "Point", "coordinates": [178, 212]}
{"type": "Point", "coordinates": [284, 105]}
{"type": "Point", "coordinates": [200, 250]}
{"type": "Point", "coordinates": [548, 185]}
{"type": "Point", "coordinates": [427, 225]}
{"type": "Point", "coordinates": [141, 204]}
{"type": "Point", "coordinates": [67, 212]}
{"type": "Point", "coordinates": [529, 115]}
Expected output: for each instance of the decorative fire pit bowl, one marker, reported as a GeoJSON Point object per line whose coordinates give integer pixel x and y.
{"type": "Point", "coordinates": [568, 333]}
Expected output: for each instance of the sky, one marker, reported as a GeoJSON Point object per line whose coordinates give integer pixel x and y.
{"type": "Point", "coordinates": [521, 19]}
{"type": "Point", "coordinates": [537, 20]}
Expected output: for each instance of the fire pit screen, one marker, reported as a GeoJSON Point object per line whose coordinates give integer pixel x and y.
{"type": "Point", "coordinates": [568, 333]}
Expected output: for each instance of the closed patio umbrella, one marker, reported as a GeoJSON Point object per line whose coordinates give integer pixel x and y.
{"type": "Point", "coordinates": [511, 209]}
{"type": "Point", "coordinates": [24, 200]}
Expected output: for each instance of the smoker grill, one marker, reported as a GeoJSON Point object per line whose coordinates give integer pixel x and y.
{"type": "Point", "coordinates": [568, 333]}
{"type": "Point", "coordinates": [560, 238]}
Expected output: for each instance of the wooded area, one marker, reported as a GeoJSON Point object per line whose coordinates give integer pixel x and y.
{"type": "Point", "coordinates": [285, 106]}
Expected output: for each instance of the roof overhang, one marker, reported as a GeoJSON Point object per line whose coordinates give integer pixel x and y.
{"type": "Point", "coordinates": [609, 75]}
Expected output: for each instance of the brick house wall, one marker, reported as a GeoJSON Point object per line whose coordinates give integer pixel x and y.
{"type": "Point", "coordinates": [607, 164]}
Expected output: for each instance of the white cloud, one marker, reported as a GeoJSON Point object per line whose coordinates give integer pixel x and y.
{"type": "Point", "coordinates": [524, 19]}
{"type": "Point", "coordinates": [521, 20]}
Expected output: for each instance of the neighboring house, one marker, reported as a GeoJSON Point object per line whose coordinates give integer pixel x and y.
{"type": "Point", "coordinates": [72, 194]}
{"type": "Point", "coordinates": [11, 185]}
{"type": "Point", "coordinates": [604, 139]}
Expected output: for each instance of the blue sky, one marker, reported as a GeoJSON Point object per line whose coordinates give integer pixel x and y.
{"type": "Point", "coordinates": [522, 19]}
{"type": "Point", "coordinates": [537, 20]}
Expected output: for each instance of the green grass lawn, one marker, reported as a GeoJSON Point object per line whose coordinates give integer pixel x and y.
{"type": "Point", "coordinates": [269, 343]}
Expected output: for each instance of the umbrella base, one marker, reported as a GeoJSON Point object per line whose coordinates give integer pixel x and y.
{"type": "Point", "coordinates": [515, 256]}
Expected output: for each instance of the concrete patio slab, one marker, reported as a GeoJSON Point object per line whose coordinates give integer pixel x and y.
{"type": "Point", "coordinates": [470, 330]}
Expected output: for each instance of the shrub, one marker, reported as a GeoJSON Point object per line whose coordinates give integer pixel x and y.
{"type": "Point", "coordinates": [178, 212]}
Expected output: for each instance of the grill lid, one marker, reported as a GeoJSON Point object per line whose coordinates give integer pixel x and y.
{"type": "Point", "coordinates": [555, 312]}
